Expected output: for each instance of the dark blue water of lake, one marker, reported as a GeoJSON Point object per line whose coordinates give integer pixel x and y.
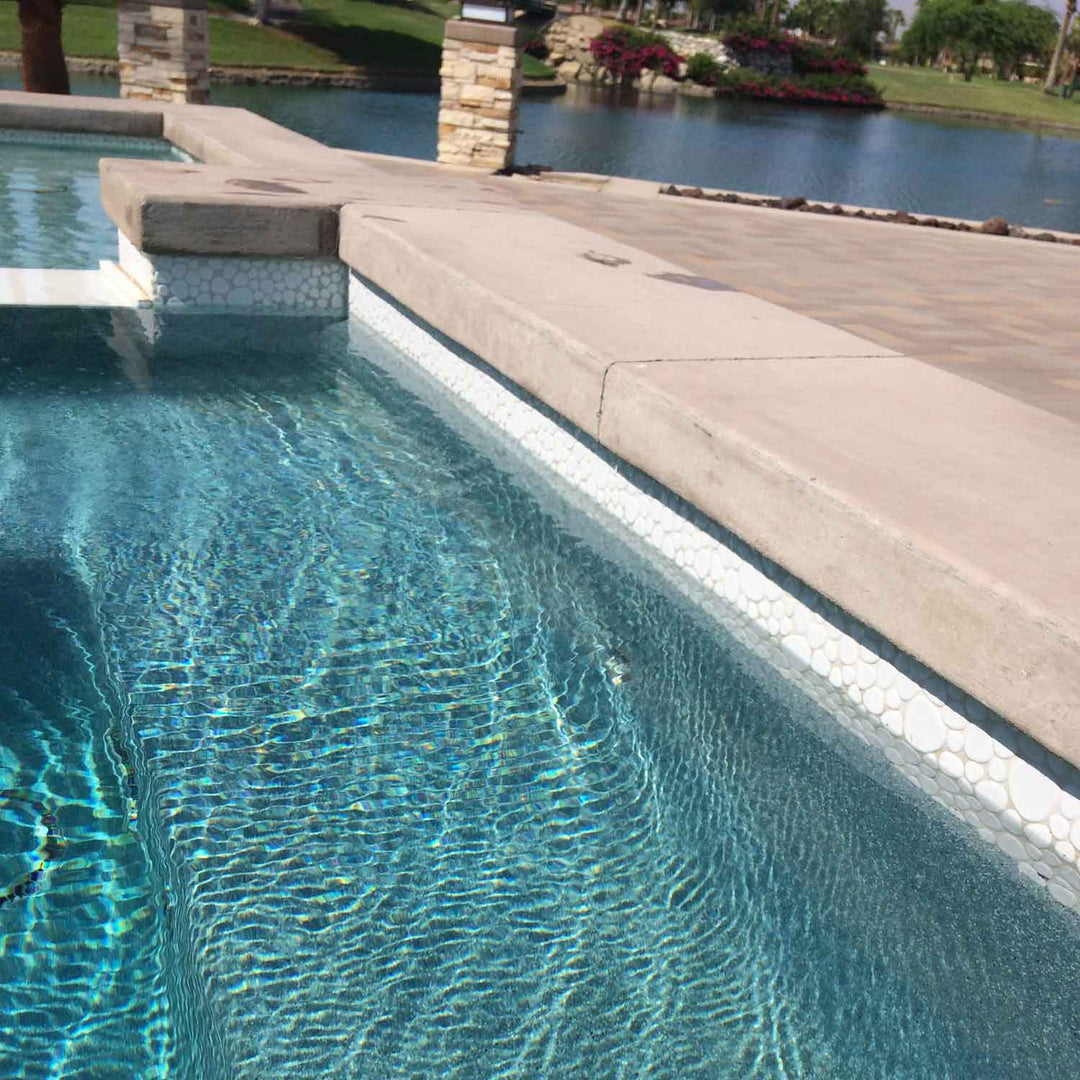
{"type": "Point", "coordinates": [888, 160]}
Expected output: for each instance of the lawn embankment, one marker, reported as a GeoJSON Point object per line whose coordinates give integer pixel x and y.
{"type": "Point", "coordinates": [327, 36]}
{"type": "Point", "coordinates": [1018, 102]}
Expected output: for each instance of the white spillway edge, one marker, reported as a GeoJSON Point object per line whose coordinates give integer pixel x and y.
{"type": "Point", "coordinates": [122, 286]}
{"type": "Point", "coordinates": [62, 288]}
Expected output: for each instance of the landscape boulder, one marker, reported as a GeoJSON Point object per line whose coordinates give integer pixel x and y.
{"type": "Point", "coordinates": [661, 84]}
{"type": "Point", "coordinates": [996, 226]}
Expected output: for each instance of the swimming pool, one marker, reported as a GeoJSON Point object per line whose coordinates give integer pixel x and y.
{"type": "Point", "coordinates": [369, 756]}
{"type": "Point", "coordinates": [50, 198]}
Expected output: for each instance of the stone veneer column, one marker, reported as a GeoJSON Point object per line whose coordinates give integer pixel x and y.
{"type": "Point", "coordinates": [164, 49]}
{"type": "Point", "coordinates": [481, 84]}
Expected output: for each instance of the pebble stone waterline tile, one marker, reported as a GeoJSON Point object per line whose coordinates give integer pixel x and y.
{"type": "Point", "coordinates": [108, 144]}
{"type": "Point", "coordinates": [215, 283]}
{"type": "Point", "coordinates": [942, 740]}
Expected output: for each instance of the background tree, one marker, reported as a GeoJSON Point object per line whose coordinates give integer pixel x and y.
{"type": "Point", "coordinates": [1072, 42]}
{"type": "Point", "coordinates": [1022, 30]}
{"type": "Point", "coordinates": [708, 12]}
{"type": "Point", "coordinates": [43, 67]}
{"type": "Point", "coordinates": [851, 24]}
{"type": "Point", "coordinates": [816, 17]}
{"type": "Point", "coordinates": [894, 19]}
{"type": "Point", "coordinates": [1055, 62]}
{"type": "Point", "coordinates": [857, 24]}
{"type": "Point", "coordinates": [1006, 30]}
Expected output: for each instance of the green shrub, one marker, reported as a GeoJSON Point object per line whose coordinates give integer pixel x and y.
{"type": "Point", "coordinates": [703, 68]}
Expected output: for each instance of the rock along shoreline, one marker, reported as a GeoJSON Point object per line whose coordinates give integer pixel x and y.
{"type": "Point", "coordinates": [995, 226]}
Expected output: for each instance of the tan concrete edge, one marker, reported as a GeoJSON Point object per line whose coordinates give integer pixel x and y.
{"type": "Point", "coordinates": [100, 116]}
{"type": "Point", "coordinates": [563, 373]}
{"type": "Point", "coordinates": [908, 577]}
{"type": "Point", "coordinates": [168, 208]}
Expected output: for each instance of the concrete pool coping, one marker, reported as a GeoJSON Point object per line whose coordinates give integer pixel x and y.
{"type": "Point", "coordinates": [824, 451]}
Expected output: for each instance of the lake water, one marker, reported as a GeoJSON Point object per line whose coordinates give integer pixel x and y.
{"type": "Point", "coordinates": [888, 160]}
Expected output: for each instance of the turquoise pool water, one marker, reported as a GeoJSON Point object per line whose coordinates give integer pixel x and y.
{"type": "Point", "coordinates": [50, 197]}
{"type": "Point", "coordinates": [362, 755]}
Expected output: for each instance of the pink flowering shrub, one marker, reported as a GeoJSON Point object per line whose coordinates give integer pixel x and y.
{"type": "Point", "coordinates": [626, 53]}
{"type": "Point", "coordinates": [754, 37]}
{"type": "Point", "coordinates": [807, 57]}
{"type": "Point", "coordinates": [821, 89]}
{"type": "Point", "coordinates": [812, 59]}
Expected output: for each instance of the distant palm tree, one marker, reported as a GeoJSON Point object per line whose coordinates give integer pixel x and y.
{"type": "Point", "coordinates": [894, 19]}
{"type": "Point", "coordinates": [1055, 63]}
{"type": "Point", "coordinates": [43, 66]}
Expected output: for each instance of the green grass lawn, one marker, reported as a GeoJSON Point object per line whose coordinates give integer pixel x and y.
{"type": "Point", "coordinates": [88, 31]}
{"type": "Point", "coordinates": [920, 86]}
{"type": "Point", "coordinates": [330, 35]}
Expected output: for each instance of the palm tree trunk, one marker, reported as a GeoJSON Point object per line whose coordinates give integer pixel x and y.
{"type": "Point", "coordinates": [640, 12]}
{"type": "Point", "coordinates": [1055, 63]}
{"type": "Point", "coordinates": [44, 69]}
{"type": "Point", "coordinates": [774, 20]}
{"type": "Point", "coordinates": [623, 5]}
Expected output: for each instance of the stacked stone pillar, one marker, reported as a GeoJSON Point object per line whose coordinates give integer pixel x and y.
{"type": "Point", "coordinates": [481, 86]}
{"type": "Point", "coordinates": [164, 49]}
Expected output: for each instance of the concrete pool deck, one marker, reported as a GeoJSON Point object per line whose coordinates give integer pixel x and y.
{"type": "Point", "coordinates": [890, 414]}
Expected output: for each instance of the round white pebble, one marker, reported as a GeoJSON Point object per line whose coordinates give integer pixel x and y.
{"type": "Point", "coordinates": [798, 648]}
{"type": "Point", "coordinates": [1059, 826]}
{"type": "Point", "coordinates": [923, 725]}
{"type": "Point", "coordinates": [1033, 794]}
{"type": "Point", "coordinates": [951, 765]}
{"type": "Point", "coordinates": [874, 700]}
{"type": "Point", "coordinates": [1011, 846]}
{"type": "Point", "coordinates": [993, 796]}
{"type": "Point", "coordinates": [1038, 834]}
{"type": "Point", "coordinates": [977, 744]}
{"type": "Point", "coordinates": [1062, 894]}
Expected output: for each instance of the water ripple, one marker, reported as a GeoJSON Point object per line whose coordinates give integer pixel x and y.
{"type": "Point", "coordinates": [427, 784]}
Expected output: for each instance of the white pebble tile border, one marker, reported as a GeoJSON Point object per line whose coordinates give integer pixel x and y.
{"type": "Point", "coordinates": [206, 283]}
{"type": "Point", "coordinates": [946, 743]}
{"type": "Point", "coordinates": [109, 145]}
